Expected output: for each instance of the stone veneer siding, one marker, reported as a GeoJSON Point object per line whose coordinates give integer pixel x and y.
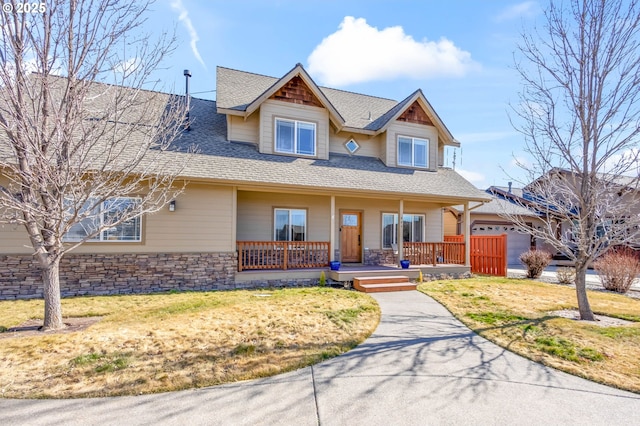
{"type": "Point", "coordinates": [101, 274]}
{"type": "Point", "coordinates": [380, 257]}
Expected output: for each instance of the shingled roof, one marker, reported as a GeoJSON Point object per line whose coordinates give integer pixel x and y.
{"type": "Point", "coordinates": [237, 91]}
{"type": "Point", "coordinates": [241, 163]}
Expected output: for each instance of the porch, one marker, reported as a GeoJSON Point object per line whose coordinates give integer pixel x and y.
{"type": "Point", "coordinates": [434, 257]}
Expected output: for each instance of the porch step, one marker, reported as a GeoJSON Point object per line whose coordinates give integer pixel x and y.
{"type": "Point", "coordinates": [383, 284]}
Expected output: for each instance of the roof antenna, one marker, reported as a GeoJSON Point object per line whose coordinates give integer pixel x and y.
{"type": "Point", "coordinates": [187, 75]}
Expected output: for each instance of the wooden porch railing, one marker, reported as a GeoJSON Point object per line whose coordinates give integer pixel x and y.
{"type": "Point", "coordinates": [282, 254]}
{"type": "Point", "coordinates": [434, 253]}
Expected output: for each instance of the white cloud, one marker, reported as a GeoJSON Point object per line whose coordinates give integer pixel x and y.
{"type": "Point", "coordinates": [358, 52]}
{"type": "Point", "coordinates": [520, 10]}
{"type": "Point", "coordinates": [127, 67]}
{"type": "Point", "coordinates": [473, 177]}
{"type": "Point", "coordinates": [183, 16]}
{"type": "Point", "coordinates": [521, 162]}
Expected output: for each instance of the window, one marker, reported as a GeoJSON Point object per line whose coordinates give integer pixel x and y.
{"type": "Point", "coordinates": [108, 212]}
{"type": "Point", "coordinates": [295, 137]}
{"type": "Point", "coordinates": [413, 152]}
{"type": "Point", "coordinates": [352, 146]}
{"type": "Point", "coordinates": [412, 228]}
{"type": "Point", "coordinates": [290, 225]}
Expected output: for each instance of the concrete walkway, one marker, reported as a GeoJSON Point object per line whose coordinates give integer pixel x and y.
{"type": "Point", "coordinates": [421, 366]}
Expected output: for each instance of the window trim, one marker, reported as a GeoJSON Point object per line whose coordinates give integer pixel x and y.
{"type": "Point", "coordinates": [101, 237]}
{"type": "Point", "coordinates": [296, 146]}
{"type": "Point", "coordinates": [395, 227]}
{"type": "Point", "coordinates": [290, 210]}
{"type": "Point", "coordinates": [413, 151]}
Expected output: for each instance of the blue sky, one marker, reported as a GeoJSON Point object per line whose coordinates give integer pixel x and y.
{"type": "Point", "coordinates": [459, 52]}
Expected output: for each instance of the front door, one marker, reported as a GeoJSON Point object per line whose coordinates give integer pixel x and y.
{"type": "Point", "coordinates": [351, 236]}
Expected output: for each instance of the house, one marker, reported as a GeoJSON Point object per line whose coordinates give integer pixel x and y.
{"type": "Point", "coordinates": [620, 199]}
{"type": "Point", "coordinates": [288, 176]}
{"type": "Point", "coordinates": [488, 219]}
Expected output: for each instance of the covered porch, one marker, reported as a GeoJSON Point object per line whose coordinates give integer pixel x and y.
{"type": "Point", "coordinates": [279, 230]}
{"type": "Point", "coordinates": [287, 255]}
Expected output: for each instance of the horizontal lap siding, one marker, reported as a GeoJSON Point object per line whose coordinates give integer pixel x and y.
{"type": "Point", "coordinates": [369, 146]}
{"type": "Point", "coordinates": [270, 110]}
{"type": "Point", "coordinates": [241, 130]}
{"type": "Point", "coordinates": [372, 218]}
{"type": "Point", "coordinates": [202, 222]}
{"type": "Point", "coordinates": [255, 214]}
{"type": "Point", "coordinates": [413, 130]}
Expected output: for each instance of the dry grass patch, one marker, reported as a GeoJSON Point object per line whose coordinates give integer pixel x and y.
{"type": "Point", "coordinates": [515, 313]}
{"type": "Point", "coordinates": [163, 342]}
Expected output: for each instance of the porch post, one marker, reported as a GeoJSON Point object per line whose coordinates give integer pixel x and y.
{"type": "Point", "coordinates": [332, 230]}
{"type": "Point", "coordinates": [467, 235]}
{"type": "Point", "coordinates": [400, 232]}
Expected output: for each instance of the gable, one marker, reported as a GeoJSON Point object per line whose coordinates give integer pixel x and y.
{"type": "Point", "coordinates": [297, 92]}
{"type": "Point", "coordinates": [415, 114]}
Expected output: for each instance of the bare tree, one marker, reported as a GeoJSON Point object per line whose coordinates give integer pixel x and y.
{"type": "Point", "coordinates": [82, 138]}
{"type": "Point", "coordinates": [579, 112]}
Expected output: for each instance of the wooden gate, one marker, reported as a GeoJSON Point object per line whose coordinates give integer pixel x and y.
{"type": "Point", "coordinates": [488, 253]}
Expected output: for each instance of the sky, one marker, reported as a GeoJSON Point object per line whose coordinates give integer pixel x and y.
{"type": "Point", "coordinates": [459, 52]}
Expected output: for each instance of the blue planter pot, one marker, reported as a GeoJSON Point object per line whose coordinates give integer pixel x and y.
{"type": "Point", "coordinates": [404, 264]}
{"type": "Point", "coordinates": [334, 265]}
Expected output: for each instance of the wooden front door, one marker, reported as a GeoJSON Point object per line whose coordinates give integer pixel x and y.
{"type": "Point", "coordinates": [351, 236]}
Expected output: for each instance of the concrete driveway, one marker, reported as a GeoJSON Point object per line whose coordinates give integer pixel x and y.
{"type": "Point", "coordinates": [420, 367]}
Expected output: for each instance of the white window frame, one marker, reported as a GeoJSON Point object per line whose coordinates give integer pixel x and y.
{"type": "Point", "coordinates": [290, 212]}
{"type": "Point", "coordinates": [394, 236]}
{"type": "Point", "coordinates": [296, 144]}
{"type": "Point", "coordinates": [413, 152]}
{"type": "Point", "coordinates": [103, 236]}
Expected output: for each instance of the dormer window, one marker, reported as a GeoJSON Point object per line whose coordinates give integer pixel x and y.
{"type": "Point", "coordinates": [295, 137]}
{"type": "Point", "coordinates": [413, 152]}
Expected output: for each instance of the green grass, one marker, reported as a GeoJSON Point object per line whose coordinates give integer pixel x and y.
{"type": "Point", "coordinates": [493, 318]}
{"type": "Point", "coordinates": [178, 340]}
{"type": "Point", "coordinates": [515, 314]}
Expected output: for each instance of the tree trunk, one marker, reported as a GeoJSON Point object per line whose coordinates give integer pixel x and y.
{"type": "Point", "coordinates": [51, 293]}
{"type": "Point", "coordinates": [581, 292]}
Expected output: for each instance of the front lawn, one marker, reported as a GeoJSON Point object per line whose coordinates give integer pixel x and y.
{"type": "Point", "coordinates": [521, 315]}
{"type": "Point", "coordinates": [164, 342]}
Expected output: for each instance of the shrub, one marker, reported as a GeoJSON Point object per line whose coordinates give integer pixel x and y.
{"type": "Point", "coordinates": [323, 279]}
{"type": "Point", "coordinates": [535, 261]}
{"type": "Point", "coordinates": [566, 275]}
{"type": "Point", "coordinates": [617, 270]}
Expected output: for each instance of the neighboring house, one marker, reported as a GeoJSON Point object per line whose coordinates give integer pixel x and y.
{"type": "Point", "coordinates": [487, 219]}
{"type": "Point", "coordinates": [288, 175]}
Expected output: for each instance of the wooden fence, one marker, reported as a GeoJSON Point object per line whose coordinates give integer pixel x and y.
{"type": "Point", "coordinates": [282, 254]}
{"type": "Point", "coordinates": [488, 253]}
{"type": "Point", "coordinates": [434, 253]}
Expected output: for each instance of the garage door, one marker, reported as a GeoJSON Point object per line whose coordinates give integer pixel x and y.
{"type": "Point", "coordinates": [517, 243]}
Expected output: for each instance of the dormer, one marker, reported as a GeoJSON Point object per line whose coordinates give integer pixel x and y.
{"type": "Point", "coordinates": [293, 116]}
{"type": "Point", "coordinates": [290, 116]}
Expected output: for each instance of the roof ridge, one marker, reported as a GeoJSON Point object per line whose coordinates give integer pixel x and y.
{"type": "Point", "coordinates": [114, 85]}
{"type": "Point", "coordinates": [320, 87]}
{"type": "Point", "coordinates": [357, 93]}
{"type": "Point", "coordinates": [252, 73]}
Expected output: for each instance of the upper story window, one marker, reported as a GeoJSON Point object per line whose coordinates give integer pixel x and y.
{"type": "Point", "coordinates": [413, 152]}
{"type": "Point", "coordinates": [295, 137]}
{"type": "Point", "coordinates": [107, 213]}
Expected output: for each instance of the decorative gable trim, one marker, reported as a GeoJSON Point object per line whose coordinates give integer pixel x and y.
{"type": "Point", "coordinates": [298, 71]}
{"type": "Point", "coordinates": [418, 102]}
{"type": "Point", "coordinates": [297, 92]}
{"type": "Point", "coordinates": [415, 114]}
